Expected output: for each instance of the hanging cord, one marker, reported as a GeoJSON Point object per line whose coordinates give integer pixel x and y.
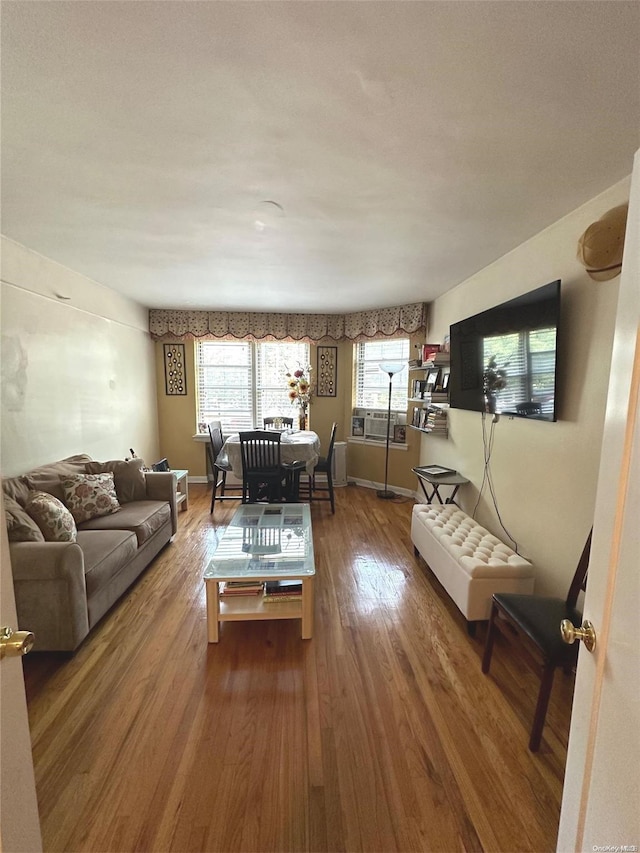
{"type": "Point", "coordinates": [487, 478]}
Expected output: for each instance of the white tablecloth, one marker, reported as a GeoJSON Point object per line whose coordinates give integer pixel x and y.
{"type": "Point", "coordinates": [300, 446]}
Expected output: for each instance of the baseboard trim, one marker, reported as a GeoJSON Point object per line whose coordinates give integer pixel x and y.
{"type": "Point", "coordinates": [369, 484]}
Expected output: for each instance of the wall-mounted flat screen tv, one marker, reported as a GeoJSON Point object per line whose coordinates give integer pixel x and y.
{"type": "Point", "coordinates": [521, 335]}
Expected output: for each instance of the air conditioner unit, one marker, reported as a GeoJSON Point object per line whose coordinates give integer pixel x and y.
{"type": "Point", "coordinates": [339, 463]}
{"type": "Point", "coordinates": [375, 424]}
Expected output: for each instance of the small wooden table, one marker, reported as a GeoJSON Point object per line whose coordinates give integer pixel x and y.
{"type": "Point", "coordinates": [262, 542]}
{"type": "Point", "coordinates": [182, 488]}
{"type": "Point", "coordinates": [435, 479]}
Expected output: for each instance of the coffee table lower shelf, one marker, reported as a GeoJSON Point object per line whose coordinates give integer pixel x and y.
{"type": "Point", "coordinates": [247, 608]}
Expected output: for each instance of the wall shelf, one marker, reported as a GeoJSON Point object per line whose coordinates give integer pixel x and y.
{"type": "Point", "coordinates": [442, 433]}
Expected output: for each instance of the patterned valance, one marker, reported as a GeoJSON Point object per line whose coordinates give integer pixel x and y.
{"type": "Point", "coordinates": [231, 325]}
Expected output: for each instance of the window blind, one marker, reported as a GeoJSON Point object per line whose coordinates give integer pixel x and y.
{"type": "Point", "coordinates": [274, 361]}
{"type": "Point", "coordinates": [530, 356]}
{"type": "Point", "coordinates": [372, 384]}
{"type": "Point", "coordinates": [239, 383]}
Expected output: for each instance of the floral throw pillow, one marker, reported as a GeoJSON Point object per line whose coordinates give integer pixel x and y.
{"type": "Point", "coordinates": [90, 495]}
{"type": "Point", "coordinates": [52, 517]}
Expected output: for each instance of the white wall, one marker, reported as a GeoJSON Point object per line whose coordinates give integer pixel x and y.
{"type": "Point", "coordinates": [545, 474]}
{"type": "Point", "coordinates": [77, 374]}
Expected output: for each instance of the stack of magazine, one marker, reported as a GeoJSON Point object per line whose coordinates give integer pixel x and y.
{"type": "Point", "coordinates": [248, 587]}
{"type": "Point", "coordinates": [283, 590]}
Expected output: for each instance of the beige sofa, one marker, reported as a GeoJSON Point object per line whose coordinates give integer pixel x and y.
{"type": "Point", "coordinates": [63, 588]}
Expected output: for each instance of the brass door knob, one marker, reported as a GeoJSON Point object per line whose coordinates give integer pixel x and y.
{"type": "Point", "coordinates": [587, 633]}
{"type": "Point", "coordinates": [15, 642]}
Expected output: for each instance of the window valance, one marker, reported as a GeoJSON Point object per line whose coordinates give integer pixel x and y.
{"type": "Point", "coordinates": [241, 325]}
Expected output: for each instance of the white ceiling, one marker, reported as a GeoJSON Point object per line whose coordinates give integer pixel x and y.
{"type": "Point", "coordinates": [406, 144]}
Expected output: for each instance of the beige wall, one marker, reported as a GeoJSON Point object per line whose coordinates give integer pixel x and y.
{"type": "Point", "coordinates": [77, 374]}
{"type": "Point", "coordinates": [178, 420]}
{"type": "Point", "coordinates": [365, 462]}
{"type": "Point", "coordinates": [544, 473]}
{"type": "Point", "coordinates": [178, 423]}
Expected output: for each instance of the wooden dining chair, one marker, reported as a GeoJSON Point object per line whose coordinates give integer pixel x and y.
{"type": "Point", "coordinates": [324, 466]}
{"type": "Point", "coordinates": [535, 620]}
{"type": "Point", "coordinates": [220, 470]}
{"type": "Point", "coordinates": [263, 476]}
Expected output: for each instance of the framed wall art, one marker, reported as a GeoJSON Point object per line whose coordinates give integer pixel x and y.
{"type": "Point", "coordinates": [175, 377]}
{"type": "Point", "coordinates": [327, 381]}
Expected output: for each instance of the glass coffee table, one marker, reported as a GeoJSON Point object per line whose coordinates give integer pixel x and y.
{"type": "Point", "coordinates": [262, 542]}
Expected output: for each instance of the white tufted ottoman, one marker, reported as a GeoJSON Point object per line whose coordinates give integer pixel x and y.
{"type": "Point", "coordinates": [470, 563]}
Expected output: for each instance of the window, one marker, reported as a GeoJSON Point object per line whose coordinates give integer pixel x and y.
{"type": "Point", "coordinates": [530, 359]}
{"type": "Point", "coordinates": [240, 383]}
{"type": "Point", "coordinates": [372, 384]}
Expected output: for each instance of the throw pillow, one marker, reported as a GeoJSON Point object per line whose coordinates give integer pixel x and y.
{"type": "Point", "coordinates": [128, 477]}
{"type": "Point", "coordinates": [52, 517]}
{"type": "Point", "coordinates": [20, 526]}
{"type": "Point", "coordinates": [89, 495]}
{"type": "Point", "coordinates": [47, 477]}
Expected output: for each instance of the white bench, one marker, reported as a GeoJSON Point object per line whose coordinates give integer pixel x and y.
{"type": "Point", "coordinates": [470, 563]}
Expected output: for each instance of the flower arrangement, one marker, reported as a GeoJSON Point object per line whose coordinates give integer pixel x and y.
{"type": "Point", "coordinates": [300, 390]}
{"type": "Point", "coordinates": [494, 378]}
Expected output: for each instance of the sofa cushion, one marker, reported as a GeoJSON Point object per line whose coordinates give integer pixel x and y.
{"type": "Point", "coordinates": [47, 477]}
{"type": "Point", "coordinates": [105, 552]}
{"type": "Point", "coordinates": [52, 517]}
{"type": "Point", "coordinates": [128, 477]}
{"type": "Point", "coordinates": [144, 518]}
{"type": "Point", "coordinates": [20, 526]}
{"type": "Point", "coordinates": [17, 489]}
{"type": "Point", "coordinates": [90, 495]}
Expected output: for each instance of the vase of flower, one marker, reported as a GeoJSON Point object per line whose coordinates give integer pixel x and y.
{"type": "Point", "coordinates": [490, 403]}
{"type": "Point", "coordinates": [302, 417]}
{"type": "Point", "coordinates": [494, 379]}
{"type": "Point", "coordinates": [300, 392]}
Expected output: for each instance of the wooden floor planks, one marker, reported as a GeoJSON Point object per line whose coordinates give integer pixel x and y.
{"type": "Point", "coordinates": [379, 734]}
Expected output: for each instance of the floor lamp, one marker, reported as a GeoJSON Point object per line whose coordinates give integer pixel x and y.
{"type": "Point", "coordinates": [389, 367]}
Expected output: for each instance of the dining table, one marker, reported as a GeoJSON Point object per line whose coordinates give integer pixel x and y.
{"type": "Point", "coordinates": [295, 446]}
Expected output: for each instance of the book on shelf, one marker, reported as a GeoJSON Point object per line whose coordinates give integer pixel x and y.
{"type": "Point", "coordinates": [429, 352]}
{"type": "Point", "coordinates": [283, 587]}
{"type": "Point", "coordinates": [228, 588]}
{"type": "Point", "coordinates": [288, 596]}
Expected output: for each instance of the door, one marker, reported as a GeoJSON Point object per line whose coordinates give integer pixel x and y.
{"type": "Point", "coordinates": [602, 791]}
{"type": "Point", "coordinates": [19, 824]}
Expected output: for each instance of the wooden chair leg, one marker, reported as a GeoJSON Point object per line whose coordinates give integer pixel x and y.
{"type": "Point", "coordinates": [330, 485]}
{"type": "Point", "coordinates": [541, 707]}
{"type": "Point", "coordinates": [491, 635]}
{"type": "Point", "coordinates": [214, 491]}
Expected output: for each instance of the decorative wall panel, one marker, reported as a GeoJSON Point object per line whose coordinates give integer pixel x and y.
{"type": "Point", "coordinates": [175, 377]}
{"type": "Point", "coordinates": [327, 373]}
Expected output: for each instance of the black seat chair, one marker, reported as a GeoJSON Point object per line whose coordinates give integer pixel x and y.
{"type": "Point", "coordinates": [219, 470]}
{"type": "Point", "coordinates": [536, 620]}
{"type": "Point", "coordinates": [286, 422]}
{"type": "Point", "coordinates": [293, 471]}
{"type": "Point", "coordinates": [324, 466]}
{"type": "Point", "coordinates": [263, 476]}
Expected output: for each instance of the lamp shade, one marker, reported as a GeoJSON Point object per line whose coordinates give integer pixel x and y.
{"type": "Point", "coordinates": [391, 367]}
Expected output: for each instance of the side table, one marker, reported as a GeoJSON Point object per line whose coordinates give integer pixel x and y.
{"type": "Point", "coordinates": [435, 480]}
{"type": "Point", "coordinates": [182, 488]}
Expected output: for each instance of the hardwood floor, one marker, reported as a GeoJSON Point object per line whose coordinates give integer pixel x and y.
{"type": "Point", "coordinates": [379, 734]}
